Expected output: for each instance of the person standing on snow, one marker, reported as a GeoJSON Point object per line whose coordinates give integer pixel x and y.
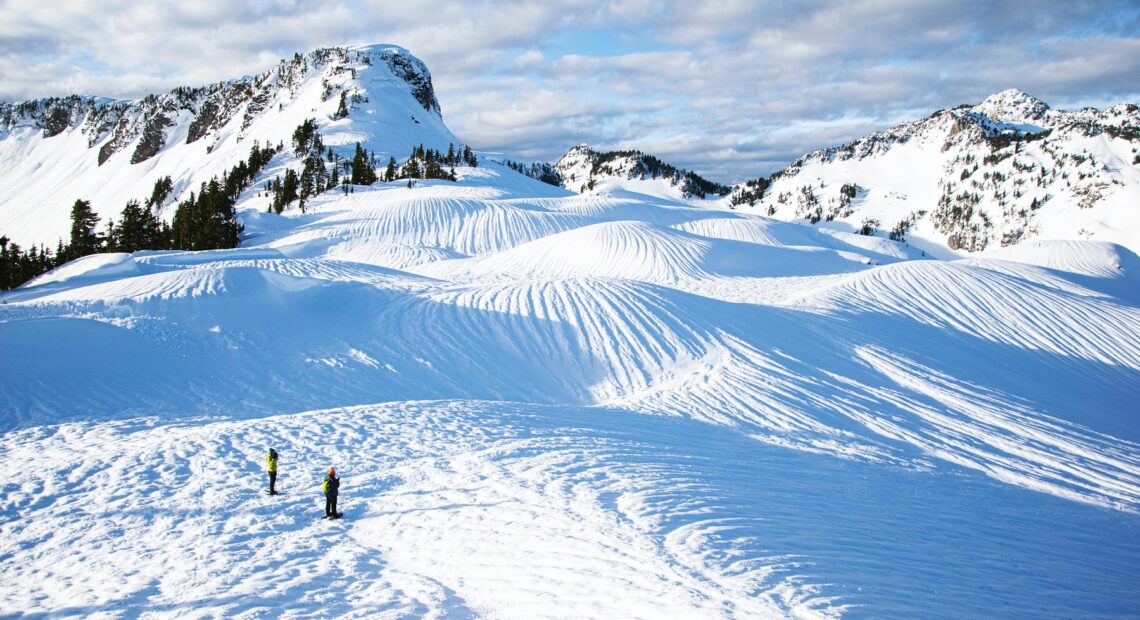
{"type": "Point", "coordinates": [331, 487]}
{"type": "Point", "coordinates": [271, 458]}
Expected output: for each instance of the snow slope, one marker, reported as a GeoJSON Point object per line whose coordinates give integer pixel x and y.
{"type": "Point", "coordinates": [546, 404]}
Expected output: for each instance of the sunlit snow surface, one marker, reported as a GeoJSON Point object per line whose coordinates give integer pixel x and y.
{"type": "Point", "coordinates": [546, 404]}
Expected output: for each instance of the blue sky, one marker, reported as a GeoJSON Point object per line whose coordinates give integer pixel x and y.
{"type": "Point", "coordinates": [732, 89]}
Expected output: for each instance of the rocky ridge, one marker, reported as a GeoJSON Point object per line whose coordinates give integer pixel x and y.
{"type": "Point", "coordinates": [972, 177]}
{"type": "Point", "coordinates": [582, 168]}
{"type": "Point", "coordinates": [114, 126]}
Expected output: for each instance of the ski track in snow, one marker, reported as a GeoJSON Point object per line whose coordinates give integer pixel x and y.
{"type": "Point", "coordinates": [641, 409]}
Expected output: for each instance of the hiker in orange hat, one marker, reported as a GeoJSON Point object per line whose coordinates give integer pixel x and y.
{"type": "Point", "coordinates": [331, 487]}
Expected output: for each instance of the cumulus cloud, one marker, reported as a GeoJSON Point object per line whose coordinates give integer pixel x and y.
{"type": "Point", "coordinates": [733, 88]}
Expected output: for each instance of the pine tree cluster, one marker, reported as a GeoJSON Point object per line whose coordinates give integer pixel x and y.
{"type": "Point", "coordinates": [205, 221]}
{"type": "Point", "coordinates": [431, 164]}
{"type": "Point", "coordinates": [208, 221]}
{"type": "Point", "coordinates": [363, 167]}
{"type": "Point", "coordinates": [537, 170]}
{"type": "Point", "coordinates": [306, 139]}
{"type": "Point", "coordinates": [18, 265]}
{"type": "Point", "coordinates": [314, 178]}
{"type": "Point", "coordinates": [138, 229]}
{"type": "Point", "coordinates": [750, 192]}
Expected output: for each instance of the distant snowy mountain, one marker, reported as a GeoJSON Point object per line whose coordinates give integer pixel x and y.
{"type": "Point", "coordinates": [973, 178]}
{"type": "Point", "coordinates": [583, 169]}
{"type": "Point", "coordinates": [54, 151]}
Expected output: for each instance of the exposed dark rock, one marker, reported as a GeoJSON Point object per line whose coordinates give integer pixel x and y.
{"type": "Point", "coordinates": [153, 138]}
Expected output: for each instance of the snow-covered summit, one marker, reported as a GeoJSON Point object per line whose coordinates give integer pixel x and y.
{"type": "Point", "coordinates": [583, 169]}
{"type": "Point", "coordinates": [1013, 106]}
{"type": "Point", "coordinates": [575, 166]}
{"type": "Point", "coordinates": [402, 64]}
{"type": "Point", "coordinates": [972, 178]}
{"type": "Point", "coordinates": [54, 151]}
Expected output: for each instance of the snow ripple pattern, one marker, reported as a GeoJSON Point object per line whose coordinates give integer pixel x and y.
{"type": "Point", "coordinates": [1001, 309]}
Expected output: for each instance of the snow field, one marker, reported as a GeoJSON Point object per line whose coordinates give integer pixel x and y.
{"type": "Point", "coordinates": [511, 510]}
{"type": "Point", "coordinates": [443, 498]}
{"type": "Point", "coordinates": [638, 408]}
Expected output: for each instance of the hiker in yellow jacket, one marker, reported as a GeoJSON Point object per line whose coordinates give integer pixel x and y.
{"type": "Point", "coordinates": [271, 458]}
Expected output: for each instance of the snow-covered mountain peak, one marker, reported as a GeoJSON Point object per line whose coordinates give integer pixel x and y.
{"type": "Point", "coordinates": [57, 150]}
{"type": "Point", "coordinates": [583, 169]}
{"type": "Point", "coordinates": [972, 179]}
{"type": "Point", "coordinates": [402, 64]}
{"type": "Point", "coordinates": [574, 166]}
{"type": "Point", "coordinates": [1013, 106]}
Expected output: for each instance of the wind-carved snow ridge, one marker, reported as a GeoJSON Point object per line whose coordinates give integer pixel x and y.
{"type": "Point", "coordinates": [981, 429]}
{"type": "Point", "coordinates": [619, 403]}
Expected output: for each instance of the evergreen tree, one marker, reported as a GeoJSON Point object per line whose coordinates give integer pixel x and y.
{"type": "Point", "coordinates": [390, 171]}
{"type": "Point", "coordinates": [307, 185]}
{"type": "Point", "coordinates": [362, 171]}
{"type": "Point", "coordinates": [182, 227]}
{"type": "Point", "coordinates": [7, 266]}
{"type": "Point", "coordinates": [84, 240]}
{"type": "Point", "coordinates": [161, 191]}
{"type": "Point", "coordinates": [109, 237]}
{"type": "Point", "coordinates": [432, 169]}
{"type": "Point", "coordinates": [306, 138]}
{"type": "Point", "coordinates": [138, 229]}
{"type": "Point", "coordinates": [285, 192]}
{"type": "Point", "coordinates": [342, 109]}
